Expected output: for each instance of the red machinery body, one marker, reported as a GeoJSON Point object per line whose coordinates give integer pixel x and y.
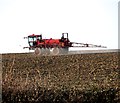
{"type": "Point", "coordinates": [51, 41]}
{"type": "Point", "coordinates": [37, 41]}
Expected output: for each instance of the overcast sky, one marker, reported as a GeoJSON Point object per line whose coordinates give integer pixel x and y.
{"type": "Point", "coordinates": [86, 21]}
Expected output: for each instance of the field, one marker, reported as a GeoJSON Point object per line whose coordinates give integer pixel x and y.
{"type": "Point", "coordinates": [74, 78]}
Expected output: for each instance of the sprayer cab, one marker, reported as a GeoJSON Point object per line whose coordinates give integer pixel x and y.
{"type": "Point", "coordinates": [34, 39]}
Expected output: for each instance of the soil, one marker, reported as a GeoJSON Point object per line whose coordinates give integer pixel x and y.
{"type": "Point", "coordinates": [75, 78]}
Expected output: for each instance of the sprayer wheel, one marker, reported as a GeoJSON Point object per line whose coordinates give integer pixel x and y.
{"type": "Point", "coordinates": [55, 51]}
{"type": "Point", "coordinates": [64, 50]}
{"type": "Point", "coordinates": [37, 51]}
{"type": "Point", "coordinates": [47, 51]}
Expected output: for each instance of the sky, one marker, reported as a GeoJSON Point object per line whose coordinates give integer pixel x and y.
{"type": "Point", "coordinates": [86, 21]}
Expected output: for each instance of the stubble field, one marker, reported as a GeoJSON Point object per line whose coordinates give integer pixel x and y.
{"type": "Point", "coordinates": [75, 78]}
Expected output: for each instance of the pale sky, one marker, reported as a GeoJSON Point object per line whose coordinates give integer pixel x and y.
{"type": "Point", "coordinates": [86, 21]}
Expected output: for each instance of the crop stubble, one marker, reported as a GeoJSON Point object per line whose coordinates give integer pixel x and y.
{"type": "Point", "coordinates": [73, 73]}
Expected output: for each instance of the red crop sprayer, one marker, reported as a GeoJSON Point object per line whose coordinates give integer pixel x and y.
{"type": "Point", "coordinates": [54, 46]}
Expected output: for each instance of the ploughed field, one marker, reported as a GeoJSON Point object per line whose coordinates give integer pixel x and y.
{"type": "Point", "coordinates": [75, 78]}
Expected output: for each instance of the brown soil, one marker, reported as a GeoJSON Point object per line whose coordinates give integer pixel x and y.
{"type": "Point", "coordinates": [43, 75]}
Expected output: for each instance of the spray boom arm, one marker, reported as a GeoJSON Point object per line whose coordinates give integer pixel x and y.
{"type": "Point", "coordinates": [74, 44]}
